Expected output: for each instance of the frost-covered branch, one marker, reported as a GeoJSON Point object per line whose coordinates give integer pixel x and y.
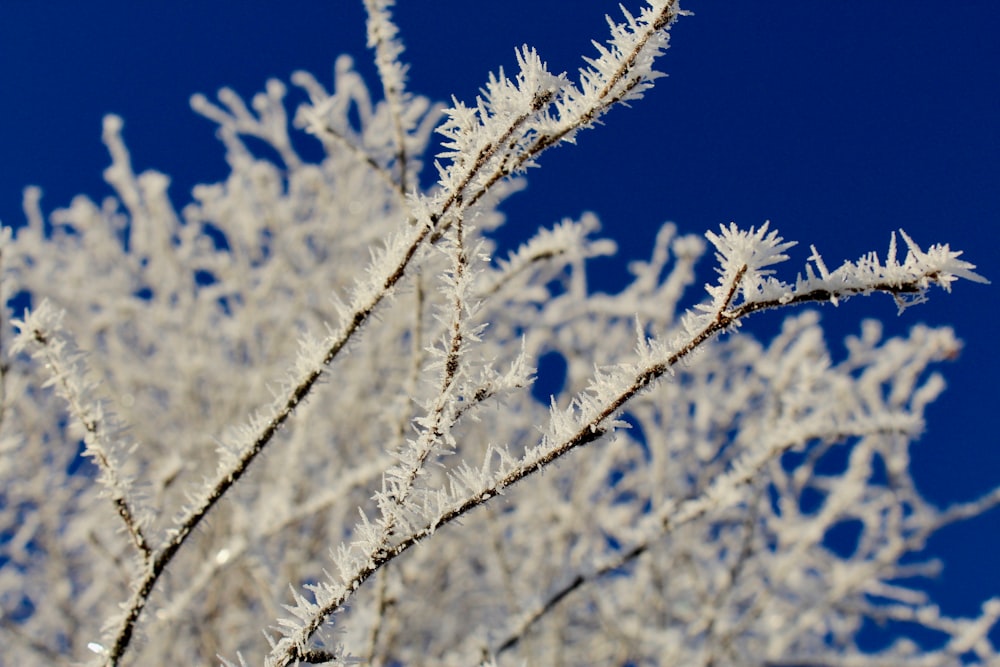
{"type": "Point", "coordinates": [592, 414]}
{"type": "Point", "coordinates": [103, 437]}
{"type": "Point", "coordinates": [383, 37]}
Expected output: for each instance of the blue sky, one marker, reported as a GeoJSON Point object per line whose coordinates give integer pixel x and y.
{"type": "Point", "coordinates": [837, 121]}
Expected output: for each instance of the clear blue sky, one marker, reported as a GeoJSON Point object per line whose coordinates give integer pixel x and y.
{"type": "Point", "coordinates": [838, 121]}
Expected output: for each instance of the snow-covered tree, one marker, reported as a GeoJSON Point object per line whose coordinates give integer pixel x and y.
{"type": "Point", "coordinates": [305, 404]}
